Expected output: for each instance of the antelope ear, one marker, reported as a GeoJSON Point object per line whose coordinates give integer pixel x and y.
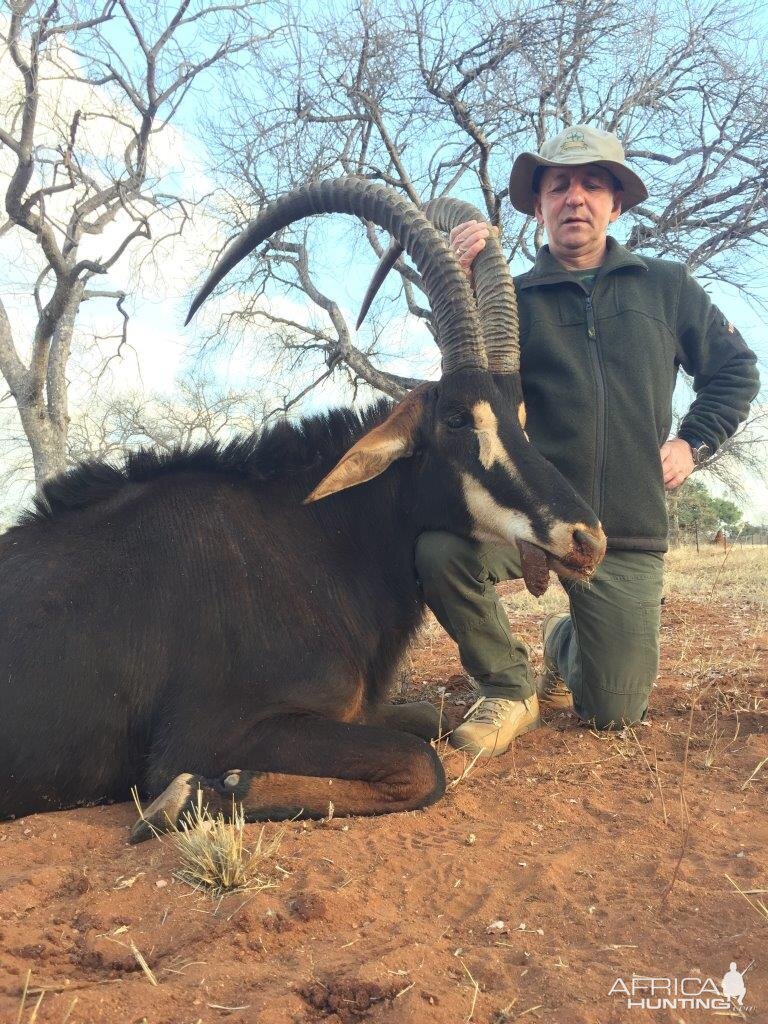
{"type": "Point", "coordinates": [395, 438]}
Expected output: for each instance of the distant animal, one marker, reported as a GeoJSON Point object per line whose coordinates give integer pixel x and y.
{"type": "Point", "coordinates": [229, 618]}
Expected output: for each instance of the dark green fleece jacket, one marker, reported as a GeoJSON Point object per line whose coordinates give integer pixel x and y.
{"type": "Point", "coordinates": [598, 372]}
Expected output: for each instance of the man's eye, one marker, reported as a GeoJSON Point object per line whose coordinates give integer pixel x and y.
{"type": "Point", "coordinates": [458, 420]}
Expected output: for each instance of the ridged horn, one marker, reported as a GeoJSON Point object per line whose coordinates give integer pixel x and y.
{"type": "Point", "coordinates": [446, 286]}
{"type": "Point", "coordinates": [494, 287]}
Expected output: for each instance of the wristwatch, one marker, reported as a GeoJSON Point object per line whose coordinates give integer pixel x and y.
{"type": "Point", "coordinates": [700, 451]}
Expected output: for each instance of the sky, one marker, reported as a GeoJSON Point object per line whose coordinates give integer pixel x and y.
{"type": "Point", "coordinates": [161, 349]}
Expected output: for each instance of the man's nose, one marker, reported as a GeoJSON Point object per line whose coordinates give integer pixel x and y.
{"type": "Point", "coordinates": [575, 196]}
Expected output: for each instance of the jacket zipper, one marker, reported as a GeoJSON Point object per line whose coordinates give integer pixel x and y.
{"type": "Point", "coordinates": [599, 410]}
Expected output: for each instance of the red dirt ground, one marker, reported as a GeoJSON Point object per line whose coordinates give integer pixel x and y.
{"type": "Point", "coordinates": [541, 878]}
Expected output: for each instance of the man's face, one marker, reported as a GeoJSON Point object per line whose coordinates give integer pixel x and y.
{"type": "Point", "coordinates": [575, 205]}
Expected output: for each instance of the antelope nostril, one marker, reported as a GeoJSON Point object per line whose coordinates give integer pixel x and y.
{"type": "Point", "coordinates": [587, 543]}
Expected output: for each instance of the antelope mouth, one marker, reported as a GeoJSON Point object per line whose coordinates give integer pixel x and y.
{"type": "Point", "coordinates": [570, 570]}
{"type": "Point", "coordinates": [536, 564]}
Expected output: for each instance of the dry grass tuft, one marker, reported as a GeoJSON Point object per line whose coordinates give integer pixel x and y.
{"type": "Point", "coordinates": [213, 853]}
{"type": "Point", "coordinates": [718, 742]}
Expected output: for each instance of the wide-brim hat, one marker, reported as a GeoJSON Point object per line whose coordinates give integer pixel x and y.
{"type": "Point", "coordinates": [578, 145]}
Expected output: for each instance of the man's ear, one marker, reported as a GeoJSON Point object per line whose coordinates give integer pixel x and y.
{"type": "Point", "coordinates": [393, 439]}
{"type": "Point", "coordinates": [618, 195]}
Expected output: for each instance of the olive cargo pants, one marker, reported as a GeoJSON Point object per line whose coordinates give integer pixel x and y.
{"type": "Point", "coordinates": [607, 651]}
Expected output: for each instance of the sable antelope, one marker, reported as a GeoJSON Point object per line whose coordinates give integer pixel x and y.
{"type": "Point", "coordinates": [230, 618]}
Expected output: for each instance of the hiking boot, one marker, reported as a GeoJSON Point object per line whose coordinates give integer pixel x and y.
{"type": "Point", "coordinates": [552, 691]}
{"type": "Point", "coordinates": [492, 723]}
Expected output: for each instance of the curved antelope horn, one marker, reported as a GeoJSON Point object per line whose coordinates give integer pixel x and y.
{"type": "Point", "coordinates": [387, 261]}
{"type": "Point", "coordinates": [494, 288]}
{"type": "Point", "coordinates": [458, 327]}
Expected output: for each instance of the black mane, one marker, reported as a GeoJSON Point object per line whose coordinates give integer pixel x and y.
{"type": "Point", "coordinates": [282, 451]}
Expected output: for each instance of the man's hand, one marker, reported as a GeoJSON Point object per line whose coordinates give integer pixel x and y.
{"type": "Point", "coordinates": [468, 239]}
{"type": "Point", "coordinates": [676, 462]}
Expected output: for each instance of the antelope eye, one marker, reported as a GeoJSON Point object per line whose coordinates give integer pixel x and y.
{"type": "Point", "coordinates": [458, 420]}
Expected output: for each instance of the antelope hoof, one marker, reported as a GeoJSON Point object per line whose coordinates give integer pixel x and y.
{"type": "Point", "coordinates": [163, 814]}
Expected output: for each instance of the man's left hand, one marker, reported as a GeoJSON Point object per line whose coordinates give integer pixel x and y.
{"type": "Point", "coordinates": [676, 462]}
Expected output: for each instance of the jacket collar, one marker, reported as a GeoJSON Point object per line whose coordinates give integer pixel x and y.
{"type": "Point", "coordinates": [547, 270]}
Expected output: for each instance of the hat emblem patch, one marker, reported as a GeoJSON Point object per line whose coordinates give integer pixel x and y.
{"type": "Point", "coordinates": [572, 141]}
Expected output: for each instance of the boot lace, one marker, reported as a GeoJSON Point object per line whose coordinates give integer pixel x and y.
{"type": "Point", "coordinates": [490, 710]}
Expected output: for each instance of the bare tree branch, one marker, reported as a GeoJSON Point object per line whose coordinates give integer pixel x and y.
{"type": "Point", "coordinates": [61, 191]}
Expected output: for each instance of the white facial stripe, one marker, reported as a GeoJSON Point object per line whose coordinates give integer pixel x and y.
{"type": "Point", "coordinates": [492, 451]}
{"type": "Point", "coordinates": [484, 417]}
{"type": "Point", "coordinates": [491, 521]}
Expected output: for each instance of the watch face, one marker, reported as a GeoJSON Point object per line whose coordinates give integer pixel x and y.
{"type": "Point", "coordinates": [701, 454]}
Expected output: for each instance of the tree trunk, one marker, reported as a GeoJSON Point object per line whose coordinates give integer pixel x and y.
{"type": "Point", "coordinates": [47, 440]}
